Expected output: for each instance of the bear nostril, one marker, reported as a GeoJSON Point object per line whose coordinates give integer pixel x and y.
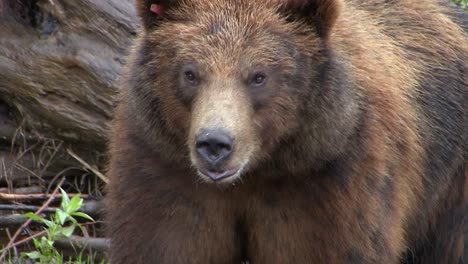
{"type": "Point", "coordinates": [214, 145]}
{"type": "Point", "coordinates": [202, 144]}
{"type": "Point", "coordinates": [224, 146]}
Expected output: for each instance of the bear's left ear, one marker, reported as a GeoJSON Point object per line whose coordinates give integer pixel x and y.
{"type": "Point", "coordinates": [323, 13]}
{"type": "Point", "coordinates": [152, 11]}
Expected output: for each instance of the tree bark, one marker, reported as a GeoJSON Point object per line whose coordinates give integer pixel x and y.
{"type": "Point", "coordinates": [59, 65]}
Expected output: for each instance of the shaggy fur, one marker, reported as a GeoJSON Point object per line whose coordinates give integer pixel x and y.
{"type": "Point", "coordinates": [354, 150]}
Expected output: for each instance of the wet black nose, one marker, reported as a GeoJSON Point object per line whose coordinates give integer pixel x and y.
{"type": "Point", "coordinates": [214, 146]}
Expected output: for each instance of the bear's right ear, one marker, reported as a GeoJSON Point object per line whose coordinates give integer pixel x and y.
{"type": "Point", "coordinates": [323, 13]}
{"type": "Point", "coordinates": [152, 11]}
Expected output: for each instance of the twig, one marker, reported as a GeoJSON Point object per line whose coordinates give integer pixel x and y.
{"type": "Point", "coordinates": [89, 207]}
{"type": "Point", "coordinates": [36, 196]}
{"type": "Point", "coordinates": [22, 190]}
{"type": "Point", "coordinates": [26, 239]}
{"type": "Point", "coordinates": [23, 226]}
{"type": "Point", "coordinates": [89, 167]}
{"type": "Point", "coordinates": [12, 220]}
{"type": "Point", "coordinates": [73, 242]}
{"type": "Point", "coordinates": [9, 237]}
{"type": "Point", "coordinates": [51, 182]}
{"type": "Point", "coordinates": [30, 208]}
{"type": "Point", "coordinates": [98, 244]}
{"type": "Point", "coordinates": [52, 156]}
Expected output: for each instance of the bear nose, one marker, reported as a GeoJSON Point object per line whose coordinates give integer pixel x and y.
{"type": "Point", "coordinates": [214, 146]}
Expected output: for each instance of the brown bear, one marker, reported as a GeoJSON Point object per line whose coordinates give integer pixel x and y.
{"type": "Point", "coordinates": [291, 131]}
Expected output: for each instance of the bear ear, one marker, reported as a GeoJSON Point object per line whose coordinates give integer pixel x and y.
{"type": "Point", "coordinates": [152, 11]}
{"type": "Point", "coordinates": [323, 13]}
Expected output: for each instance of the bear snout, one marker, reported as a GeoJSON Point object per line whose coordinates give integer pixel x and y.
{"type": "Point", "coordinates": [214, 148]}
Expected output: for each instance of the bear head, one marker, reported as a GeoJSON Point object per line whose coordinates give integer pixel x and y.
{"type": "Point", "coordinates": [231, 86]}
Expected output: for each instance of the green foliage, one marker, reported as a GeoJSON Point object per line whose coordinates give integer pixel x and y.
{"type": "Point", "coordinates": [461, 3]}
{"type": "Point", "coordinates": [60, 225]}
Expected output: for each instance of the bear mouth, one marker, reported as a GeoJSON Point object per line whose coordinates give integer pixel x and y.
{"type": "Point", "coordinates": [219, 175]}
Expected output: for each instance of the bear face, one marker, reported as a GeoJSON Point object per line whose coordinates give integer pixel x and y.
{"type": "Point", "coordinates": [345, 123]}
{"type": "Point", "coordinates": [243, 75]}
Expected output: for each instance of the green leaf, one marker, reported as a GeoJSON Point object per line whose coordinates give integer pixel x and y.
{"type": "Point", "coordinates": [75, 203]}
{"type": "Point", "coordinates": [34, 217]}
{"type": "Point", "coordinates": [33, 255]}
{"type": "Point", "coordinates": [61, 216]}
{"type": "Point", "coordinates": [73, 220]}
{"type": "Point", "coordinates": [50, 243]}
{"type": "Point", "coordinates": [36, 242]}
{"type": "Point", "coordinates": [58, 258]}
{"type": "Point", "coordinates": [83, 215]}
{"type": "Point", "coordinates": [65, 199]}
{"type": "Point", "coordinates": [68, 231]}
{"type": "Point", "coordinates": [44, 241]}
{"type": "Point", "coordinates": [48, 223]}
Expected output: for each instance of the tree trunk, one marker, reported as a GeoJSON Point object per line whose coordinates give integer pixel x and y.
{"type": "Point", "coordinates": [59, 63]}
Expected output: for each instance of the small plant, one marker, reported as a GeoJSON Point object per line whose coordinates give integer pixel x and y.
{"type": "Point", "coordinates": [61, 225]}
{"type": "Point", "coordinates": [461, 3]}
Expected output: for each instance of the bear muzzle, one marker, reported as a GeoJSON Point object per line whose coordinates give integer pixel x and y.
{"type": "Point", "coordinates": [214, 148]}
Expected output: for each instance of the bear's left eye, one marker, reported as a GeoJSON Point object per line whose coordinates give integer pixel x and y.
{"type": "Point", "coordinates": [258, 79]}
{"type": "Point", "coordinates": [191, 77]}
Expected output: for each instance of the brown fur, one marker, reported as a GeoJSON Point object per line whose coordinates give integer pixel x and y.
{"type": "Point", "coordinates": [353, 152]}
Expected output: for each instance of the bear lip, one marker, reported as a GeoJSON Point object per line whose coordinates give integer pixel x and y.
{"type": "Point", "coordinates": [219, 175]}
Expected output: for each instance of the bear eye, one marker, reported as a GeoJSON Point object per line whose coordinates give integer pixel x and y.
{"type": "Point", "coordinates": [258, 79]}
{"type": "Point", "coordinates": [190, 77]}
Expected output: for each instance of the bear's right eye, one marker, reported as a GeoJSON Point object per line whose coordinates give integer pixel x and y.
{"type": "Point", "coordinates": [190, 77]}
{"type": "Point", "coordinates": [258, 79]}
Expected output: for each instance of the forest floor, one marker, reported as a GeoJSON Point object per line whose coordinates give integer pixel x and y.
{"type": "Point", "coordinates": [31, 182]}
